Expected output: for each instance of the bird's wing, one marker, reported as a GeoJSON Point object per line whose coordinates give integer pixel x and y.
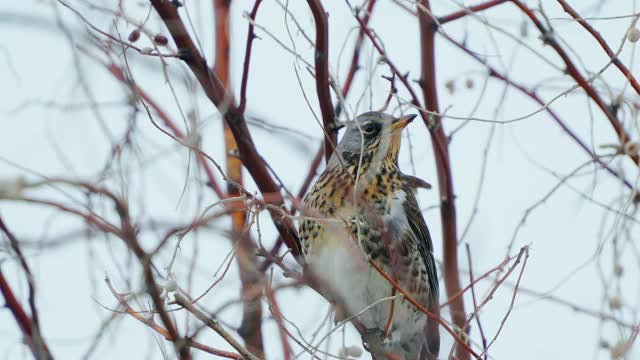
{"type": "Point", "coordinates": [420, 233]}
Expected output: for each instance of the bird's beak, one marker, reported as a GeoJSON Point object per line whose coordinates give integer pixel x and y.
{"type": "Point", "coordinates": [401, 122]}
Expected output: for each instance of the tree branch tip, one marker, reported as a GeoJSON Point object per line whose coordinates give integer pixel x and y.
{"type": "Point", "coordinates": [420, 82]}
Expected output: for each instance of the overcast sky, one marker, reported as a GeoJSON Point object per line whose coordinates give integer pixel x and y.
{"type": "Point", "coordinates": [571, 235]}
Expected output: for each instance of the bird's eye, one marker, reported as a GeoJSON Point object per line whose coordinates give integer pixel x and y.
{"type": "Point", "coordinates": [369, 128]}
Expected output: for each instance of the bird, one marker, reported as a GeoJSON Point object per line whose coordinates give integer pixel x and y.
{"type": "Point", "coordinates": [361, 210]}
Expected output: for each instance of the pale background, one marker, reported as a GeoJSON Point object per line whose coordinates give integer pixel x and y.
{"type": "Point", "coordinates": [39, 67]}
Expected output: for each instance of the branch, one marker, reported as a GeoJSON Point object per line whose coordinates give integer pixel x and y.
{"type": "Point", "coordinates": [130, 238]}
{"type": "Point", "coordinates": [428, 27]}
{"type": "Point", "coordinates": [277, 315]}
{"type": "Point", "coordinates": [322, 77]}
{"type": "Point", "coordinates": [34, 341]}
{"type": "Point", "coordinates": [475, 303]}
{"type": "Point", "coordinates": [311, 174]}
{"type": "Point", "coordinates": [160, 330]}
{"type": "Point", "coordinates": [247, 57]}
{"type": "Point", "coordinates": [168, 122]}
{"type": "Point", "coordinates": [495, 74]}
{"type": "Point", "coordinates": [15, 246]}
{"type": "Point", "coordinates": [459, 340]}
{"type": "Point", "coordinates": [214, 325]}
{"type": "Point", "coordinates": [216, 92]}
{"type": "Point", "coordinates": [353, 68]}
{"type": "Point", "coordinates": [250, 327]}
{"type": "Point", "coordinates": [612, 56]}
{"type": "Point", "coordinates": [572, 70]}
{"type": "Point", "coordinates": [470, 10]}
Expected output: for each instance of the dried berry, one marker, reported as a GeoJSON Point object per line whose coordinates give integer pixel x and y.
{"type": "Point", "coordinates": [469, 83]}
{"type": "Point", "coordinates": [615, 303]}
{"type": "Point", "coordinates": [633, 34]}
{"type": "Point", "coordinates": [450, 86]}
{"type": "Point", "coordinates": [160, 40]}
{"type": "Point", "coordinates": [134, 36]}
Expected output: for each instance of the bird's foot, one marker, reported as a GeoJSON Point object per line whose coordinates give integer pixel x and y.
{"type": "Point", "coordinates": [373, 341]}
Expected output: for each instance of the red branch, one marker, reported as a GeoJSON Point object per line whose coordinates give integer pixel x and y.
{"type": "Point", "coordinates": [277, 315]}
{"type": "Point", "coordinates": [322, 77]}
{"type": "Point", "coordinates": [36, 343]}
{"type": "Point", "coordinates": [15, 246]}
{"type": "Point", "coordinates": [459, 340]}
{"type": "Point", "coordinates": [162, 331]}
{"type": "Point", "coordinates": [247, 57]}
{"type": "Point", "coordinates": [466, 11]}
{"type": "Point", "coordinates": [439, 142]}
{"type": "Point", "coordinates": [353, 68]}
{"type": "Point", "coordinates": [496, 74]}
{"type": "Point", "coordinates": [313, 168]}
{"type": "Point", "coordinates": [250, 327]}
{"type": "Point", "coordinates": [612, 56]}
{"type": "Point", "coordinates": [447, 208]}
{"type": "Point", "coordinates": [572, 70]}
{"type": "Point", "coordinates": [168, 122]}
{"type": "Point", "coordinates": [216, 92]}
{"type": "Point", "coordinates": [440, 146]}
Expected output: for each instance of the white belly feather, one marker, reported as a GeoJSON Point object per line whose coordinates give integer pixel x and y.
{"type": "Point", "coordinates": [340, 263]}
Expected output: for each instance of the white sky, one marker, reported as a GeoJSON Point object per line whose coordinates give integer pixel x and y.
{"type": "Point", "coordinates": [38, 66]}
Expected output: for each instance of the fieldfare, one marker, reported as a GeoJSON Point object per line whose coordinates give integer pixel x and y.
{"type": "Point", "coordinates": [362, 209]}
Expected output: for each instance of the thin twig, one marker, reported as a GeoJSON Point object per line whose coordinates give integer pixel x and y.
{"type": "Point", "coordinates": [214, 325]}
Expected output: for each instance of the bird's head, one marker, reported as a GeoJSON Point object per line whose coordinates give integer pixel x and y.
{"type": "Point", "coordinates": [373, 136]}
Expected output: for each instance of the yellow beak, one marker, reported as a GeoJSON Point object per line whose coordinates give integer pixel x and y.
{"type": "Point", "coordinates": [401, 122]}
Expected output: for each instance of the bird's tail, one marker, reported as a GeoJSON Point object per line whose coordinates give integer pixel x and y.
{"type": "Point", "coordinates": [431, 347]}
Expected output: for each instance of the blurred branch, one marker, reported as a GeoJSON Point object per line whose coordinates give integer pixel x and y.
{"type": "Point", "coordinates": [29, 329]}
{"type": "Point", "coordinates": [157, 328]}
{"type": "Point", "coordinates": [128, 233]}
{"type": "Point", "coordinates": [311, 174]}
{"type": "Point", "coordinates": [38, 342]}
{"type": "Point", "coordinates": [250, 327]}
{"type": "Point", "coordinates": [214, 325]}
{"type": "Point", "coordinates": [469, 10]}
{"type": "Point", "coordinates": [117, 72]}
{"type": "Point", "coordinates": [216, 92]}
{"type": "Point", "coordinates": [277, 315]}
